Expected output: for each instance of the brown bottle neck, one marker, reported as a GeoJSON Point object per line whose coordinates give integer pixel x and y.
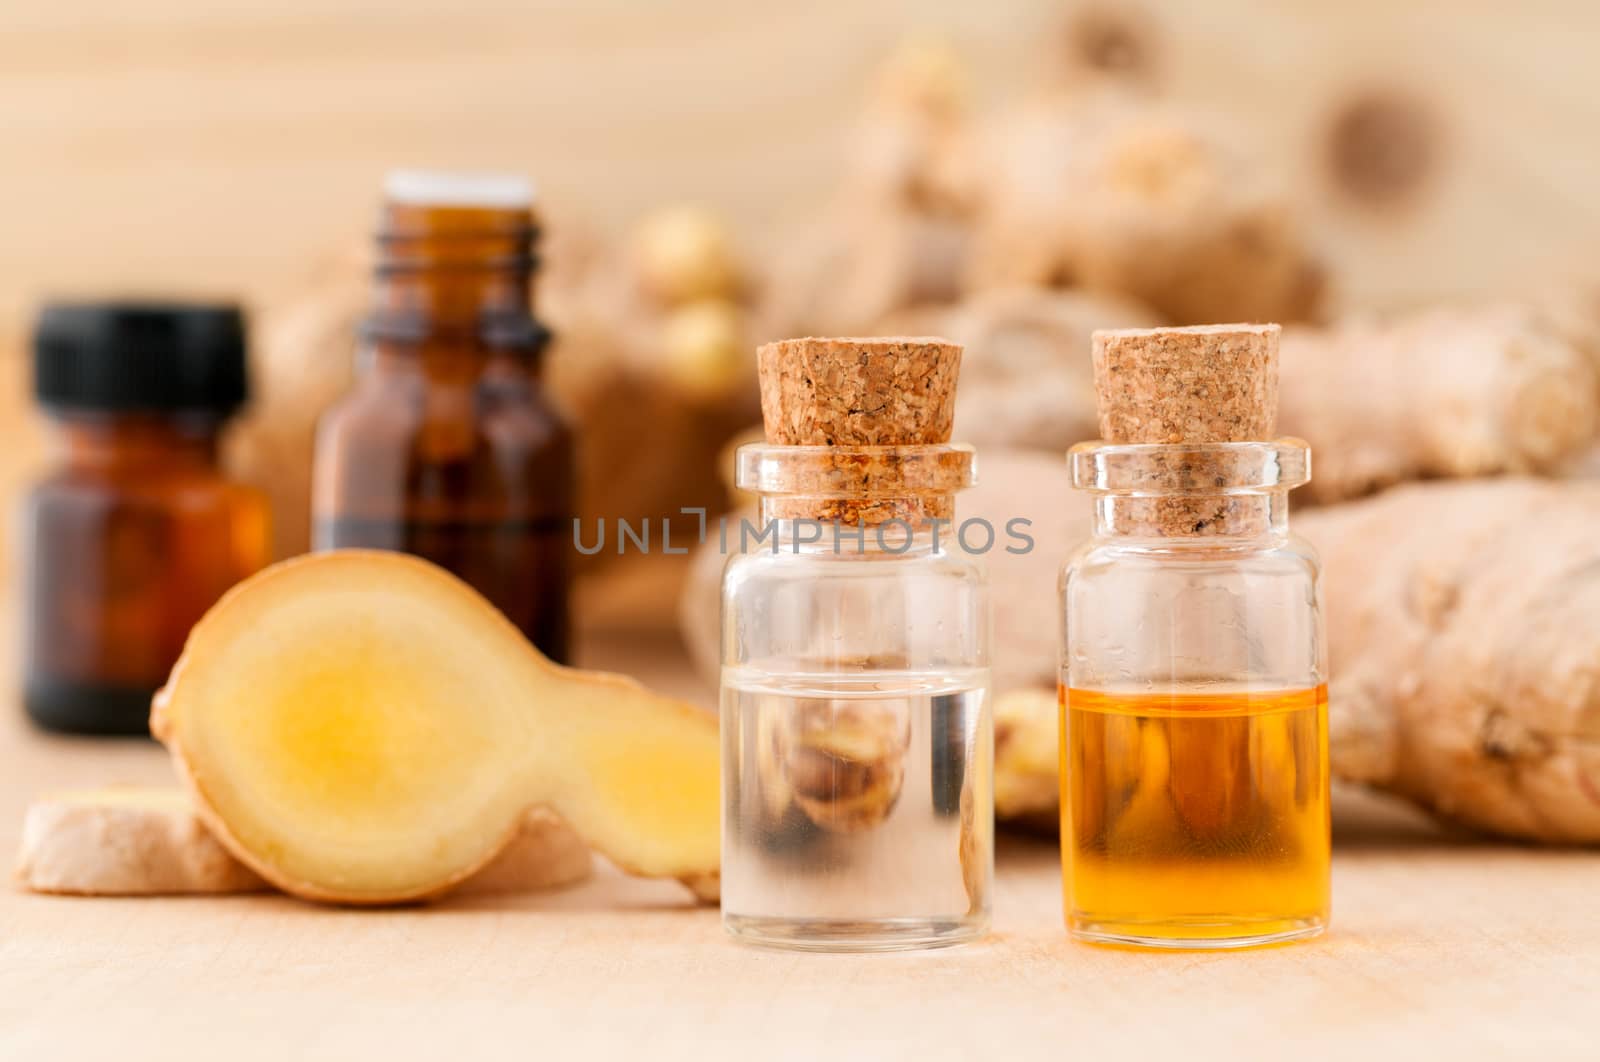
{"type": "Point", "coordinates": [455, 278]}
{"type": "Point", "coordinates": [109, 441]}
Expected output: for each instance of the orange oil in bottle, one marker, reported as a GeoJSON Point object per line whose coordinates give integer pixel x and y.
{"type": "Point", "coordinates": [1195, 818]}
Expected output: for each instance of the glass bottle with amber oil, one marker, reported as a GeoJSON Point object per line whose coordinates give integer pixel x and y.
{"type": "Point", "coordinates": [135, 532]}
{"type": "Point", "coordinates": [447, 446]}
{"type": "Point", "coordinates": [1194, 784]}
{"type": "Point", "coordinates": [857, 742]}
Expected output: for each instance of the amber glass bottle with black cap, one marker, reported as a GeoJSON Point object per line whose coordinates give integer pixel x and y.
{"type": "Point", "coordinates": [135, 532]}
{"type": "Point", "coordinates": [446, 446]}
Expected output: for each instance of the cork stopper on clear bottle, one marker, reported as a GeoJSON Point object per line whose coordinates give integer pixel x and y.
{"type": "Point", "coordinates": [1193, 658]}
{"type": "Point", "coordinates": [1187, 421]}
{"type": "Point", "coordinates": [858, 742]}
{"type": "Point", "coordinates": [857, 431]}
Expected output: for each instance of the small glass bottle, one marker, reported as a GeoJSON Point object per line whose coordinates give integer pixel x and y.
{"type": "Point", "coordinates": [857, 737]}
{"type": "Point", "coordinates": [447, 446]}
{"type": "Point", "coordinates": [1194, 787]}
{"type": "Point", "coordinates": [136, 532]}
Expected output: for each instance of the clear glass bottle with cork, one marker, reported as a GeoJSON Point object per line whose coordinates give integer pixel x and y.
{"type": "Point", "coordinates": [448, 446]}
{"type": "Point", "coordinates": [857, 740]}
{"type": "Point", "coordinates": [1194, 802]}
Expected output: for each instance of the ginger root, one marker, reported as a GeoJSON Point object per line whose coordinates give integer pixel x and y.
{"type": "Point", "coordinates": [1444, 392]}
{"type": "Point", "coordinates": [125, 841]}
{"type": "Point", "coordinates": [1464, 633]}
{"type": "Point", "coordinates": [685, 253]}
{"type": "Point", "coordinates": [898, 232]}
{"type": "Point", "coordinates": [1026, 376]}
{"type": "Point", "coordinates": [658, 331]}
{"type": "Point", "coordinates": [703, 349]}
{"type": "Point", "coordinates": [1026, 759]}
{"type": "Point", "coordinates": [1152, 204]}
{"type": "Point", "coordinates": [1451, 392]}
{"type": "Point", "coordinates": [860, 264]}
{"type": "Point", "coordinates": [913, 140]}
{"type": "Point", "coordinates": [362, 727]}
{"type": "Point", "coordinates": [148, 841]}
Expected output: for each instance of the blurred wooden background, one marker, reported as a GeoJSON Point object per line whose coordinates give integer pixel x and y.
{"type": "Point", "coordinates": [1442, 147]}
{"type": "Point", "coordinates": [1448, 146]}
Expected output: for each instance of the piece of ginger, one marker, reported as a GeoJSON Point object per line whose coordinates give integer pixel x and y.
{"type": "Point", "coordinates": [1464, 636]}
{"type": "Point", "coordinates": [362, 727]}
{"type": "Point", "coordinates": [148, 841]}
{"type": "Point", "coordinates": [685, 253]}
{"type": "Point", "coordinates": [703, 349]}
{"type": "Point", "coordinates": [1463, 626]}
{"type": "Point", "coordinates": [1027, 759]}
{"type": "Point", "coordinates": [1440, 392]}
{"type": "Point", "coordinates": [125, 841]}
{"type": "Point", "coordinates": [1116, 196]}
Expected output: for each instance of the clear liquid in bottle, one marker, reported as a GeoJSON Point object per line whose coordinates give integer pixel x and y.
{"type": "Point", "coordinates": [856, 808]}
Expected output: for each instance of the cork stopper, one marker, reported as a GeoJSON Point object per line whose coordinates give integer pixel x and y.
{"type": "Point", "coordinates": [884, 391]}
{"type": "Point", "coordinates": [1210, 384]}
{"type": "Point", "coordinates": [874, 417]}
{"type": "Point", "coordinates": [1188, 389]}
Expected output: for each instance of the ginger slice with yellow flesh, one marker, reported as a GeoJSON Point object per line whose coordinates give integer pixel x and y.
{"type": "Point", "coordinates": [363, 727]}
{"type": "Point", "coordinates": [148, 841]}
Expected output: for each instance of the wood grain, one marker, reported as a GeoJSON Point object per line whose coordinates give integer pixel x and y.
{"type": "Point", "coordinates": [224, 149]}
{"type": "Point", "coordinates": [1441, 948]}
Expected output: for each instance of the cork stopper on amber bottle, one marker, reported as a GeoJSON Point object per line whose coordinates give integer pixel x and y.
{"type": "Point", "coordinates": [1189, 387]}
{"type": "Point", "coordinates": [868, 399]}
{"type": "Point", "coordinates": [1210, 384]}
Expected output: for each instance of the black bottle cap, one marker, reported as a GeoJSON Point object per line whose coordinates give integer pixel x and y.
{"type": "Point", "coordinates": [140, 357]}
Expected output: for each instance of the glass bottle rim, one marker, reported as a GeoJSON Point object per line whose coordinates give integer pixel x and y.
{"type": "Point", "coordinates": [1193, 469]}
{"type": "Point", "coordinates": [854, 471]}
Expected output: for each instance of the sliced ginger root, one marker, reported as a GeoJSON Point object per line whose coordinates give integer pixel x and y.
{"type": "Point", "coordinates": [148, 841]}
{"type": "Point", "coordinates": [362, 727]}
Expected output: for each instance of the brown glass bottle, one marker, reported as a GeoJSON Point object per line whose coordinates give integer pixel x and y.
{"type": "Point", "coordinates": [447, 447]}
{"type": "Point", "coordinates": [135, 533]}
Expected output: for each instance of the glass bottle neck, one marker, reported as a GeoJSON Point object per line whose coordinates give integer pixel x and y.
{"type": "Point", "coordinates": [904, 489]}
{"type": "Point", "coordinates": [1202, 495]}
{"type": "Point", "coordinates": [103, 440]}
{"type": "Point", "coordinates": [455, 279]}
{"type": "Point", "coordinates": [878, 525]}
{"type": "Point", "coordinates": [1193, 520]}
{"type": "Point", "coordinates": [445, 362]}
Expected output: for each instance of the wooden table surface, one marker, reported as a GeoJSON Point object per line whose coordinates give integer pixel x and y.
{"type": "Point", "coordinates": [1441, 948]}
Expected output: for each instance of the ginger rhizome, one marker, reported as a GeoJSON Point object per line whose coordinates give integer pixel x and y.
{"type": "Point", "coordinates": [1448, 391]}
{"type": "Point", "coordinates": [125, 841]}
{"type": "Point", "coordinates": [363, 727]}
{"type": "Point", "coordinates": [1441, 392]}
{"type": "Point", "coordinates": [1464, 628]}
{"type": "Point", "coordinates": [1464, 633]}
{"type": "Point", "coordinates": [1026, 379]}
{"type": "Point", "coordinates": [1117, 197]}
{"type": "Point", "coordinates": [148, 841]}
